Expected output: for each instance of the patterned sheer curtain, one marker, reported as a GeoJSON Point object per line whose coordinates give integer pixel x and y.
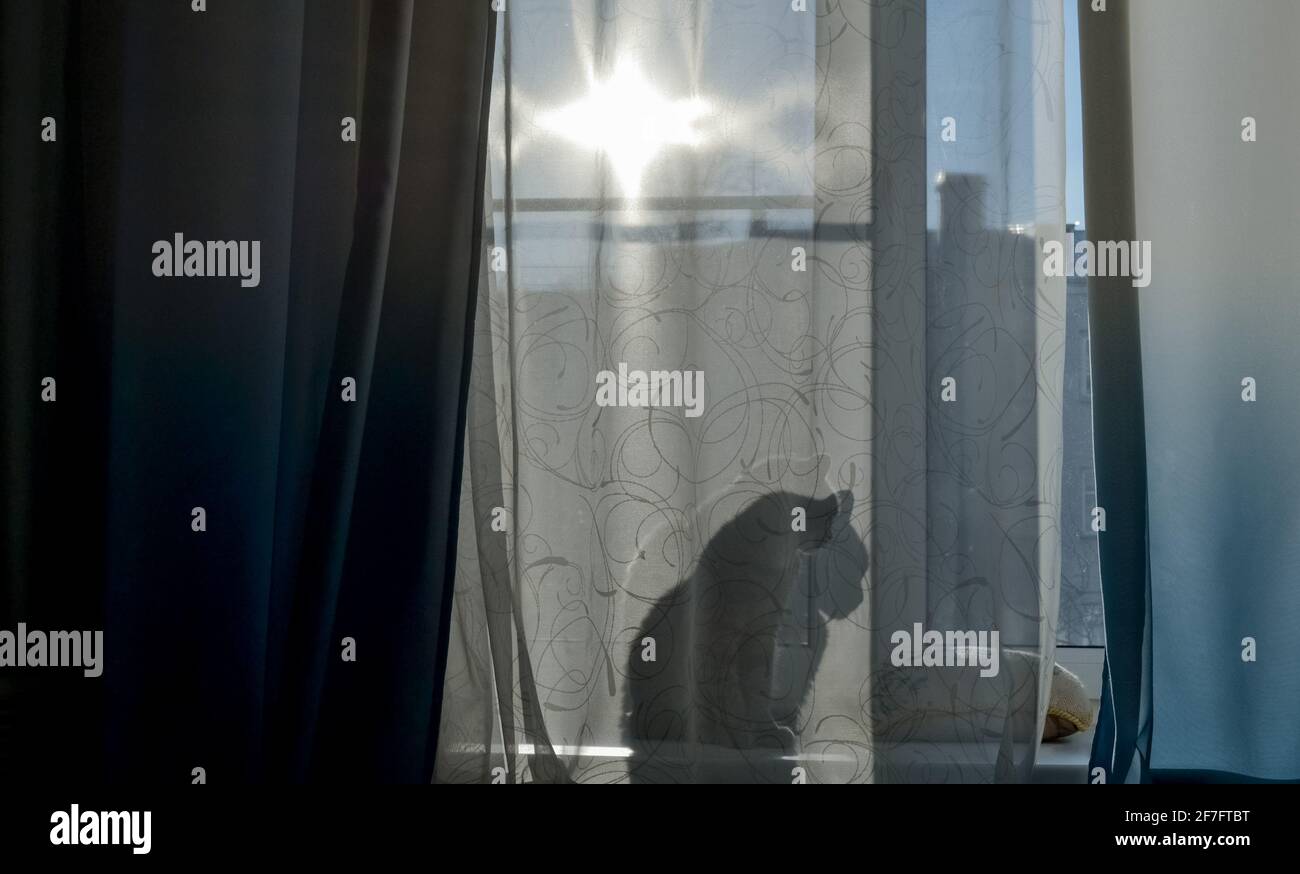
{"type": "Point", "coordinates": [766, 391]}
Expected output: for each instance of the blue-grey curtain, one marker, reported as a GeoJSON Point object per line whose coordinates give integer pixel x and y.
{"type": "Point", "coordinates": [1191, 115]}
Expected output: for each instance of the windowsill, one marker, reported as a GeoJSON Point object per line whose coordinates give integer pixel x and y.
{"type": "Point", "coordinates": [1066, 760]}
{"type": "Point", "coordinates": [1059, 762]}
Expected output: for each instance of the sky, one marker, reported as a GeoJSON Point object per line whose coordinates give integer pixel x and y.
{"type": "Point", "coordinates": [966, 52]}
{"type": "Point", "coordinates": [1073, 118]}
{"type": "Point", "coordinates": [966, 46]}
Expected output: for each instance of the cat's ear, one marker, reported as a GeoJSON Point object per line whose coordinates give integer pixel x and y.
{"type": "Point", "coordinates": [823, 468]}
{"type": "Point", "coordinates": [841, 510]}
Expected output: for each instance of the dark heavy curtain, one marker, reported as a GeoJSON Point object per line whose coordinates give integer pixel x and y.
{"type": "Point", "coordinates": [326, 518]}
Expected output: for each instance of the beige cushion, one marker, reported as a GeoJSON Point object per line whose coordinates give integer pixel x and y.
{"type": "Point", "coordinates": [1068, 709]}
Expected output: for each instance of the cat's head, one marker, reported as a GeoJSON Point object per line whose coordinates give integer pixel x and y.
{"type": "Point", "coordinates": [838, 581]}
{"type": "Point", "coordinates": [786, 539]}
{"type": "Point", "coordinates": [825, 518]}
{"type": "Point", "coordinates": [773, 527]}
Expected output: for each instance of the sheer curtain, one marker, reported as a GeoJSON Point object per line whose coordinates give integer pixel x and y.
{"type": "Point", "coordinates": [829, 222]}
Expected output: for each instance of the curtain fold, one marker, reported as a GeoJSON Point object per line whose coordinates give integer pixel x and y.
{"type": "Point", "coordinates": [1122, 741]}
{"type": "Point", "coordinates": [338, 453]}
{"type": "Point", "coordinates": [295, 629]}
{"type": "Point", "coordinates": [763, 199]}
{"type": "Point", "coordinates": [57, 206]}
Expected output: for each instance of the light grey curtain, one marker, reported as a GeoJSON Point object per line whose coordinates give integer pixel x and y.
{"type": "Point", "coordinates": [770, 197]}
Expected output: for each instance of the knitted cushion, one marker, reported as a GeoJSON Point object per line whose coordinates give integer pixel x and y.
{"type": "Point", "coordinates": [1068, 709]}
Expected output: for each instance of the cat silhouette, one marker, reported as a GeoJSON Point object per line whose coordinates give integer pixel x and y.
{"type": "Point", "coordinates": [701, 703]}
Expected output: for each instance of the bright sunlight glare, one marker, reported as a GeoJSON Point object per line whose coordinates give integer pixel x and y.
{"type": "Point", "coordinates": [625, 118]}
